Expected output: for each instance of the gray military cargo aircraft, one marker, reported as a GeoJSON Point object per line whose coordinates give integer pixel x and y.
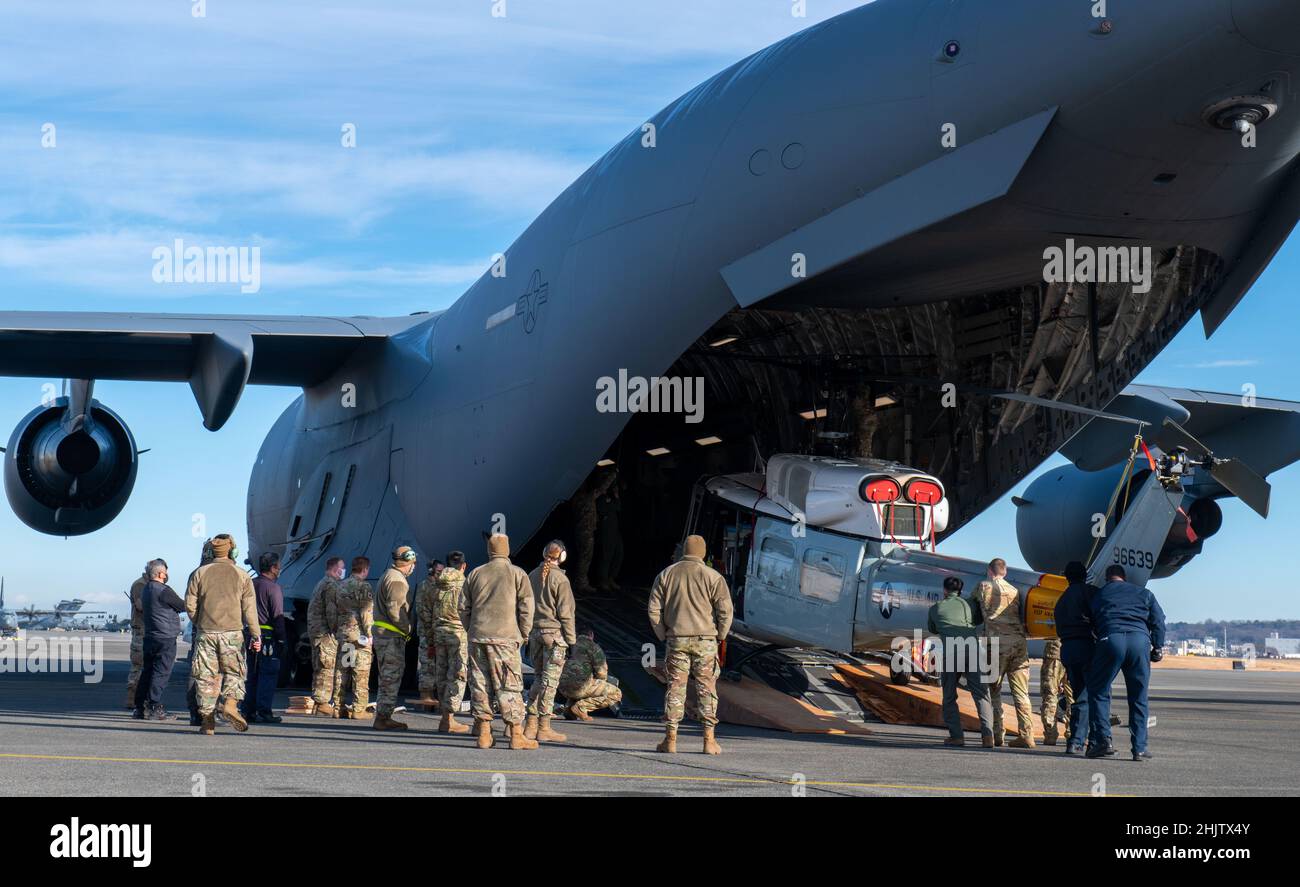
{"type": "Point", "coordinates": [869, 202]}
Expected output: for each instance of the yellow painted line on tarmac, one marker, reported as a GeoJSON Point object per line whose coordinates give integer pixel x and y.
{"type": "Point", "coordinates": [735, 780]}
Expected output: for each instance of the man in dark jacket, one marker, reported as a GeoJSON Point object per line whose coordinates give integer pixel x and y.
{"type": "Point", "coordinates": [161, 609]}
{"type": "Point", "coordinates": [264, 665]}
{"type": "Point", "coordinates": [1130, 630]}
{"type": "Point", "coordinates": [1074, 628]}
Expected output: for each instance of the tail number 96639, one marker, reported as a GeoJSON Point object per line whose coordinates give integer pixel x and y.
{"type": "Point", "coordinates": [1133, 557]}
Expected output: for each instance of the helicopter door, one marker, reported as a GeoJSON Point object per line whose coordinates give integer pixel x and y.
{"type": "Point", "coordinates": [727, 531]}
{"type": "Point", "coordinates": [803, 589]}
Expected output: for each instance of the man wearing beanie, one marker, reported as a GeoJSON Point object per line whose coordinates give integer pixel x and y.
{"type": "Point", "coordinates": [221, 604]}
{"type": "Point", "coordinates": [497, 611]}
{"type": "Point", "coordinates": [690, 608]}
{"type": "Point", "coordinates": [392, 631]}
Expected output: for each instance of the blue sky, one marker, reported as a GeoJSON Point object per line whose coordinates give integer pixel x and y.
{"type": "Point", "coordinates": [226, 130]}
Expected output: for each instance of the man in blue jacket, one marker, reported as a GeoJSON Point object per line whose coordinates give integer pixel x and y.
{"type": "Point", "coordinates": [1130, 630]}
{"type": "Point", "coordinates": [1074, 628]}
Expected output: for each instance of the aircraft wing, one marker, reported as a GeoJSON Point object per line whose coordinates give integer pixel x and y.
{"type": "Point", "coordinates": [217, 354]}
{"type": "Point", "coordinates": [1263, 433]}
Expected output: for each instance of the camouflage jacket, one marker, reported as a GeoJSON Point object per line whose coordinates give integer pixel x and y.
{"type": "Point", "coordinates": [354, 611]}
{"type": "Point", "coordinates": [323, 610]}
{"type": "Point", "coordinates": [999, 601]}
{"type": "Point", "coordinates": [444, 603]}
{"type": "Point", "coordinates": [137, 609]}
{"type": "Point", "coordinates": [585, 661]}
{"type": "Point", "coordinates": [424, 608]}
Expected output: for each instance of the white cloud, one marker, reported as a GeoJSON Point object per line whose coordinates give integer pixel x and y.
{"type": "Point", "coordinates": [120, 264]}
{"type": "Point", "coordinates": [1221, 364]}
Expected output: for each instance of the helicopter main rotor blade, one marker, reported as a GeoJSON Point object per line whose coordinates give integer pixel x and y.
{"type": "Point", "coordinates": [1067, 407]}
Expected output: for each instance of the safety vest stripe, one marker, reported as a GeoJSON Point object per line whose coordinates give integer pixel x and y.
{"type": "Point", "coordinates": [392, 628]}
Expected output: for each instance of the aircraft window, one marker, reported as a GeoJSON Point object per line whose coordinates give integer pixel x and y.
{"type": "Point", "coordinates": [822, 575]}
{"type": "Point", "coordinates": [776, 561]}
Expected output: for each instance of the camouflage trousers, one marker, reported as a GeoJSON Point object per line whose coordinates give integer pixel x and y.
{"type": "Point", "coordinates": [450, 667]}
{"type": "Point", "coordinates": [352, 674]}
{"type": "Point", "coordinates": [546, 652]}
{"type": "Point", "coordinates": [219, 668]}
{"type": "Point", "coordinates": [137, 665]}
{"type": "Point", "coordinates": [592, 694]}
{"type": "Point", "coordinates": [1013, 665]}
{"type": "Point", "coordinates": [390, 660]}
{"type": "Point", "coordinates": [426, 672]}
{"type": "Point", "coordinates": [691, 657]}
{"type": "Point", "coordinates": [324, 650]}
{"type": "Point", "coordinates": [1055, 692]}
{"type": "Point", "coordinates": [495, 671]}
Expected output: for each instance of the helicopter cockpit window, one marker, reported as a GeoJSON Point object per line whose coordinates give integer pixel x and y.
{"type": "Point", "coordinates": [822, 575]}
{"type": "Point", "coordinates": [776, 561]}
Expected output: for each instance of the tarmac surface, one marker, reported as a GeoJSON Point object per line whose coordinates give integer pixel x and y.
{"type": "Point", "coordinates": [1218, 733]}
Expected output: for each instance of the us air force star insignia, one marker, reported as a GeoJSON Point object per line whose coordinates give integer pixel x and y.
{"type": "Point", "coordinates": [530, 303]}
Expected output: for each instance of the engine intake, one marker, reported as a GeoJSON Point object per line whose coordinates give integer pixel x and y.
{"type": "Point", "coordinates": [68, 478]}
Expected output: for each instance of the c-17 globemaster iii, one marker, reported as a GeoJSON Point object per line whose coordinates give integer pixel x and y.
{"type": "Point", "coordinates": [850, 237]}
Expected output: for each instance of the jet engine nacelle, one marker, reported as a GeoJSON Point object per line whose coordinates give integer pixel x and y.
{"type": "Point", "coordinates": [1061, 511]}
{"type": "Point", "coordinates": [66, 475]}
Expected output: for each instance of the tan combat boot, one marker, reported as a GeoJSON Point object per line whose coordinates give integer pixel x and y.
{"type": "Point", "coordinates": [711, 746]}
{"type": "Point", "coordinates": [520, 742]}
{"type": "Point", "coordinates": [530, 727]}
{"type": "Point", "coordinates": [483, 733]}
{"type": "Point", "coordinates": [1022, 742]}
{"type": "Point", "coordinates": [448, 724]}
{"type": "Point", "coordinates": [209, 725]}
{"type": "Point", "coordinates": [386, 722]}
{"type": "Point", "coordinates": [1050, 735]}
{"type": "Point", "coordinates": [324, 710]}
{"type": "Point", "coordinates": [546, 734]}
{"type": "Point", "coordinates": [668, 745]}
{"type": "Point", "coordinates": [577, 713]}
{"type": "Point", "coordinates": [360, 714]}
{"type": "Point", "coordinates": [427, 700]}
{"type": "Point", "coordinates": [230, 708]}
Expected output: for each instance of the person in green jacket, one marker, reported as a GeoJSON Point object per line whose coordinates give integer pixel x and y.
{"type": "Point", "coordinates": [954, 620]}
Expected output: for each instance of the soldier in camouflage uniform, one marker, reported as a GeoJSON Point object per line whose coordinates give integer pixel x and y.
{"type": "Point", "coordinates": [191, 687]}
{"type": "Point", "coordinates": [137, 639]}
{"type": "Point", "coordinates": [220, 602]}
{"type": "Point", "coordinates": [322, 629]}
{"type": "Point", "coordinates": [355, 619]}
{"type": "Point", "coordinates": [450, 652]}
{"type": "Point", "coordinates": [585, 681]}
{"type": "Point", "coordinates": [497, 612]}
{"type": "Point", "coordinates": [1055, 692]}
{"type": "Point", "coordinates": [392, 632]}
{"type": "Point", "coordinates": [999, 601]}
{"type": "Point", "coordinates": [424, 596]}
{"type": "Point", "coordinates": [548, 643]}
{"type": "Point", "coordinates": [690, 608]}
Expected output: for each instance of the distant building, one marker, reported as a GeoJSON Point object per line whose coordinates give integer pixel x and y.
{"type": "Point", "coordinates": [1282, 648]}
